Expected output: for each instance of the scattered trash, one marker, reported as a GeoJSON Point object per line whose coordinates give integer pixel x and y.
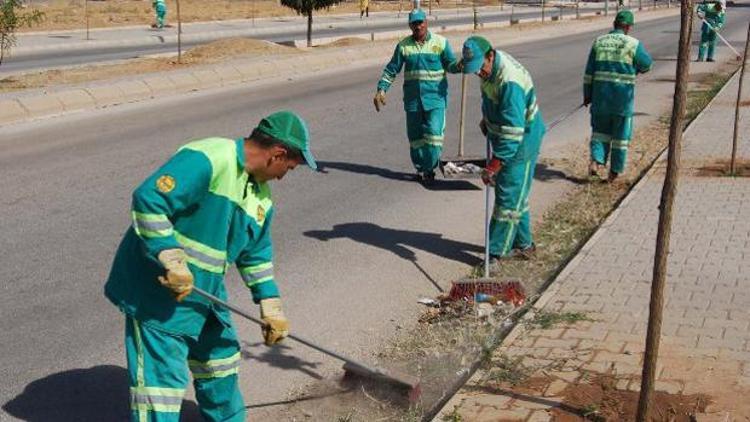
{"type": "Point", "coordinates": [451, 168]}
{"type": "Point", "coordinates": [429, 302]}
{"type": "Point", "coordinates": [510, 291]}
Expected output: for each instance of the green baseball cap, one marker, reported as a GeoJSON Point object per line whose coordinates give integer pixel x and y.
{"type": "Point", "coordinates": [472, 55]}
{"type": "Point", "coordinates": [417, 15]}
{"type": "Point", "coordinates": [625, 17]}
{"type": "Point", "coordinates": [290, 130]}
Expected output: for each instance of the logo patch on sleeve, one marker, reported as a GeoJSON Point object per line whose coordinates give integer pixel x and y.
{"type": "Point", "coordinates": [165, 183]}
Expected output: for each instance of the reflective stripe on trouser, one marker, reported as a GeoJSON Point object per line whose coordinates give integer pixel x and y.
{"type": "Point", "coordinates": [708, 44]}
{"type": "Point", "coordinates": [510, 225]}
{"type": "Point", "coordinates": [611, 137]}
{"type": "Point", "coordinates": [425, 129]}
{"type": "Point", "coordinates": [158, 371]}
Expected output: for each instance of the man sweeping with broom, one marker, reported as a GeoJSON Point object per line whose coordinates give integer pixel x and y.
{"type": "Point", "coordinates": [208, 206]}
{"type": "Point", "coordinates": [513, 124]}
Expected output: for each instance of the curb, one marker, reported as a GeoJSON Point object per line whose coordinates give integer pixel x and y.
{"type": "Point", "coordinates": [21, 106]}
{"type": "Point", "coordinates": [555, 285]}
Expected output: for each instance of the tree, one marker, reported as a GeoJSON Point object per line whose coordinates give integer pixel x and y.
{"type": "Point", "coordinates": [306, 8]}
{"type": "Point", "coordinates": [11, 20]}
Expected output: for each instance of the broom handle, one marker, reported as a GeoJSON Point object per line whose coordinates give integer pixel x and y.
{"type": "Point", "coordinates": [462, 117]}
{"type": "Point", "coordinates": [487, 219]}
{"type": "Point", "coordinates": [240, 312]}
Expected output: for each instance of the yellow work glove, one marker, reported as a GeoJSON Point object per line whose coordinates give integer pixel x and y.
{"type": "Point", "coordinates": [276, 325]}
{"type": "Point", "coordinates": [178, 278]}
{"type": "Point", "coordinates": [379, 99]}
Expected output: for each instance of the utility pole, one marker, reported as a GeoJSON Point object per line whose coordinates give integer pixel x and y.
{"type": "Point", "coordinates": [737, 108]}
{"type": "Point", "coordinates": [668, 193]}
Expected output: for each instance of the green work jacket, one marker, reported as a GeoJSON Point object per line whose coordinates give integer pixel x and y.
{"type": "Point", "coordinates": [202, 201]}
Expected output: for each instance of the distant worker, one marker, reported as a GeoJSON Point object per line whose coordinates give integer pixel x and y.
{"type": "Point", "coordinates": [209, 206]}
{"type": "Point", "coordinates": [364, 8]}
{"type": "Point", "coordinates": [609, 87]}
{"type": "Point", "coordinates": [715, 15]}
{"type": "Point", "coordinates": [513, 125]}
{"type": "Point", "coordinates": [425, 58]}
{"type": "Point", "coordinates": [160, 8]}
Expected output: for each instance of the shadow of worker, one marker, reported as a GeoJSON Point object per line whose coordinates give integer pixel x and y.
{"type": "Point", "coordinates": [396, 241]}
{"type": "Point", "coordinates": [100, 393]}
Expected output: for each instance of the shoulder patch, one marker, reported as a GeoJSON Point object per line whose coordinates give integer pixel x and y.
{"type": "Point", "coordinates": [165, 183]}
{"type": "Point", "coordinates": [261, 214]}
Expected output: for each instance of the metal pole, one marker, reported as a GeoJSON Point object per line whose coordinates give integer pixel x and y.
{"type": "Point", "coordinates": [669, 191]}
{"type": "Point", "coordinates": [179, 34]}
{"type": "Point", "coordinates": [86, 12]}
{"type": "Point", "coordinates": [737, 108]}
{"type": "Point", "coordinates": [606, 7]}
{"type": "Point", "coordinates": [578, 16]}
{"type": "Point", "coordinates": [487, 220]}
{"type": "Point", "coordinates": [542, 10]}
{"type": "Point", "coordinates": [462, 118]}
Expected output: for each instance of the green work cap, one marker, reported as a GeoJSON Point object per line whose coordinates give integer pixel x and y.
{"type": "Point", "coordinates": [417, 15]}
{"type": "Point", "coordinates": [472, 55]}
{"type": "Point", "coordinates": [290, 130]}
{"type": "Point", "coordinates": [625, 17]}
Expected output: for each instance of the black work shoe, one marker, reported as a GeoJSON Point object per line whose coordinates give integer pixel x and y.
{"type": "Point", "coordinates": [426, 178]}
{"type": "Point", "coordinates": [612, 177]}
{"type": "Point", "coordinates": [710, 60]}
{"type": "Point", "coordinates": [525, 254]}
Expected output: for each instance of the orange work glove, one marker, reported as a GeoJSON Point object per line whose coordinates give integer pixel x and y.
{"type": "Point", "coordinates": [490, 172]}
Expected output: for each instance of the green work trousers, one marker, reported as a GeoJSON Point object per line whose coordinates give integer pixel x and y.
{"type": "Point", "coordinates": [425, 130]}
{"type": "Point", "coordinates": [708, 43]}
{"type": "Point", "coordinates": [510, 226]}
{"type": "Point", "coordinates": [611, 137]}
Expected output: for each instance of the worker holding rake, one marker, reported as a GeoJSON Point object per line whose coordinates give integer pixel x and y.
{"type": "Point", "coordinates": [206, 207]}
{"type": "Point", "coordinates": [513, 124]}
{"type": "Point", "coordinates": [425, 58]}
{"type": "Point", "coordinates": [713, 15]}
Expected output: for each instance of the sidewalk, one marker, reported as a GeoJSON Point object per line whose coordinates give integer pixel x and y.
{"type": "Point", "coordinates": [705, 347]}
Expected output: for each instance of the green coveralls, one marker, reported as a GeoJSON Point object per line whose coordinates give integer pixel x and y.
{"type": "Point", "coordinates": [708, 35]}
{"type": "Point", "coordinates": [161, 12]}
{"type": "Point", "coordinates": [514, 130]}
{"type": "Point", "coordinates": [425, 94]}
{"type": "Point", "coordinates": [203, 201]}
{"type": "Point", "coordinates": [609, 84]}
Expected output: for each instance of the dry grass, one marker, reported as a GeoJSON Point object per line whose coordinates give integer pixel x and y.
{"type": "Point", "coordinates": [231, 48]}
{"type": "Point", "coordinates": [69, 14]}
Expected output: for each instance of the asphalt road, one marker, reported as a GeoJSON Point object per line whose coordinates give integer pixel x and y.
{"type": "Point", "coordinates": [355, 245]}
{"type": "Point", "coordinates": [63, 57]}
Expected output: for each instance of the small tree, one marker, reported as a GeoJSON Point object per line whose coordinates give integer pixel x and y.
{"type": "Point", "coordinates": [305, 8]}
{"type": "Point", "coordinates": [10, 20]}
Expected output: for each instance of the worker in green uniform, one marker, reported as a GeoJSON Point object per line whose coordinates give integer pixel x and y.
{"type": "Point", "coordinates": [609, 87]}
{"type": "Point", "coordinates": [513, 125]}
{"type": "Point", "coordinates": [160, 8]}
{"type": "Point", "coordinates": [425, 58]}
{"type": "Point", "coordinates": [207, 207]}
{"type": "Point", "coordinates": [714, 16]}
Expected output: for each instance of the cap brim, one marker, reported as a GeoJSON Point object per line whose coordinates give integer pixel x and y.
{"type": "Point", "coordinates": [473, 65]}
{"type": "Point", "coordinates": [309, 159]}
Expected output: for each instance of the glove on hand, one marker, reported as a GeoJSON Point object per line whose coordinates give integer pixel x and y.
{"type": "Point", "coordinates": [489, 172]}
{"type": "Point", "coordinates": [178, 279]}
{"type": "Point", "coordinates": [483, 127]}
{"type": "Point", "coordinates": [379, 99]}
{"type": "Point", "coordinates": [277, 326]}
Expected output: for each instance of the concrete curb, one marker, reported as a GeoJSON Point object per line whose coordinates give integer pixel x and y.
{"type": "Point", "coordinates": [17, 107]}
{"type": "Point", "coordinates": [571, 266]}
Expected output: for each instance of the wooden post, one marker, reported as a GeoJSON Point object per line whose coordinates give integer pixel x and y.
{"type": "Point", "coordinates": [86, 12]}
{"type": "Point", "coordinates": [542, 10]}
{"type": "Point", "coordinates": [578, 16]}
{"type": "Point", "coordinates": [665, 214]}
{"type": "Point", "coordinates": [462, 117]}
{"type": "Point", "coordinates": [732, 166]}
{"type": "Point", "coordinates": [179, 34]}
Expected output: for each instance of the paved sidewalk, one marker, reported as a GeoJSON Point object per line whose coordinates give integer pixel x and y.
{"type": "Point", "coordinates": [705, 346]}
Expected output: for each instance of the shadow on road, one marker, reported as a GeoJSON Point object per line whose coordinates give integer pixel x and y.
{"type": "Point", "coordinates": [396, 241]}
{"type": "Point", "coordinates": [275, 357]}
{"type": "Point", "coordinates": [100, 393]}
{"type": "Point", "coordinates": [438, 185]}
{"type": "Point", "coordinates": [544, 173]}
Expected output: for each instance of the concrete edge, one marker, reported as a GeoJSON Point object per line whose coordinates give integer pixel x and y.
{"type": "Point", "coordinates": [559, 280]}
{"type": "Point", "coordinates": [149, 86]}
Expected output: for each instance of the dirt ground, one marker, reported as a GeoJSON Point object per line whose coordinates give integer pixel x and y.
{"type": "Point", "coordinates": [71, 14]}
{"type": "Point", "coordinates": [721, 168]}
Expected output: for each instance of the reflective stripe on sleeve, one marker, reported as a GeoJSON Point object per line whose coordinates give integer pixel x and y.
{"type": "Point", "coordinates": [257, 273]}
{"type": "Point", "coordinates": [151, 225]}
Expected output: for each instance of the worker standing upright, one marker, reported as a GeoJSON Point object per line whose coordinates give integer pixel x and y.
{"type": "Point", "coordinates": [425, 58]}
{"type": "Point", "coordinates": [609, 87]}
{"type": "Point", "coordinates": [160, 9]}
{"type": "Point", "coordinates": [513, 125]}
{"type": "Point", "coordinates": [207, 207]}
{"type": "Point", "coordinates": [714, 16]}
{"type": "Point", "coordinates": [364, 8]}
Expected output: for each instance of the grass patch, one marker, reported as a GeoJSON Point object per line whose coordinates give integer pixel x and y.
{"type": "Point", "coordinates": [545, 320]}
{"type": "Point", "coordinates": [504, 370]}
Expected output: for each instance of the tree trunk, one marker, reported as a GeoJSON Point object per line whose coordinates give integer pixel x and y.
{"type": "Point", "coordinates": [309, 28]}
{"type": "Point", "coordinates": [668, 194]}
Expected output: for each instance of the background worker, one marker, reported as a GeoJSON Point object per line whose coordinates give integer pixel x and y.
{"type": "Point", "coordinates": [208, 206]}
{"type": "Point", "coordinates": [609, 87]}
{"type": "Point", "coordinates": [425, 58]}
{"type": "Point", "coordinates": [714, 14]}
{"type": "Point", "coordinates": [364, 8]}
{"type": "Point", "coordinates": [513, 124]}
{"type": "Point", "coordinates": [160, 8]}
